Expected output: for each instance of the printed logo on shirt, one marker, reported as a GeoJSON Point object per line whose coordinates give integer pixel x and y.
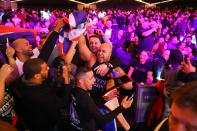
{"type": "Point", "coordinates": [74, 118]}
{"type": "Point", "coordinates": [7, 108]}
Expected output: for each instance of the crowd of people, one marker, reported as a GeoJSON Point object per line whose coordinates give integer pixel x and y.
{"type": "Point", "coordinates": [62, 86]}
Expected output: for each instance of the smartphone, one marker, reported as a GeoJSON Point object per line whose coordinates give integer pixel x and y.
{"type": "Point", "coordinates": [121, 80]}
{"type": "Point", "coordinates": [130, 97]}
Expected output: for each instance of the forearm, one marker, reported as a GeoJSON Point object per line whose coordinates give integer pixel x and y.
{"type": "Point", "coordinates": [42, 44]}
{"type": "Point", "coordinates": [70, 54]}
{"type": "Point", "coordinates": [103, 119]}
{"type": "Point", "coordinates": [48, 46]}
{"type": "Point", "coordinates": [148, 32]}
{"type": "Point", "coordinates": [130, 71]}
{"type": "Point", "coordinates": [15, 73]}
{"type": "Point", "coordinates": [84, 51]}
{"type": "Point", "coordinates": [2, 90]}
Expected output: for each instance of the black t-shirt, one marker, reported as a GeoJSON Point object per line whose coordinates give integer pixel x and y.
{"type": "Point", "coordinates": [7, 111]}
{"type": "Point", "coordinates": [98, 87]}
{"type": "Point", "coordinates": [87, 111]}
{"type": "Point", "coordinates": [140, 71]}
{"type": "Point", "coordinates": [40, 104]}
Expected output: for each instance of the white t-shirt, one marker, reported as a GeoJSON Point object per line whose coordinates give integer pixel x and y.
{"type": "Point", "coordinates": [20, 63]}
{"type": "Point", "coordinates": [108, 33]}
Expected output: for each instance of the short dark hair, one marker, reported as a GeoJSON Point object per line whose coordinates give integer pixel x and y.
{"type": "Point", "coordinates": [81, 72]}
{"type": "Point", "coordinates": [186, 96]}
{"type": "Point", "coordinates": [175, 58]}
{"type": "Point", "coordinates": [32, 67]}
{"type": "Point", "coordinates": [96, 36]}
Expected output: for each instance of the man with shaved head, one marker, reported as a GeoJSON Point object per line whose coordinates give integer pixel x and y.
{"type": "Point", "coordinates": [24, 51]}
{"type": "Point", "coordinates": [101, 66]}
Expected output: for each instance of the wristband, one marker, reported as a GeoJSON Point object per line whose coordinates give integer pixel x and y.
{"type": "Point", "coordinates": [109, 65]}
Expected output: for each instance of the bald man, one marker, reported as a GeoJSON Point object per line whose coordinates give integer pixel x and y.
{"type": "Point", "coordinates": [100, 65]}
{"type": "Point", "coordinates": [24, 51]}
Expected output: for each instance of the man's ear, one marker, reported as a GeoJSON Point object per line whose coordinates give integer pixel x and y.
{"type": "Point", "coordinates": [17, 49]}
{"type": "Point", "coordinates": [80, 81]}
{"type": "Point", "coordinates": [37, 76]}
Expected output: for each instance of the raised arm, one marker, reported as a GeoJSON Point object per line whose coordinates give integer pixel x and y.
{"type": "Point", "coordinates": [85, 52]}
{"type": "Point", "coordinates": [148, 32]}
{"type": "Point", "coordinates": [51, 41]}
{"type": "Point", "coordinates": [70, 54]}
{"type": "Point", "coordinates": [103, 119]}
{"type": "Point", "coordinates": [130, 71]}
{"type": "Point", "coordinates": [4, 73]}
{"type": "Point", "coordinates": [10, 55]}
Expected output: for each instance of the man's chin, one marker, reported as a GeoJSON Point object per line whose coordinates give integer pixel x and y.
{"type": "Point", "coordinates": [31, 54]}
{"type": "Point", "coordinates": [100, 60]}
{"type": "Point", "coordinates": [94, 51]}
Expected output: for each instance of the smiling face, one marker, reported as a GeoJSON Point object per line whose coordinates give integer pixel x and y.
{"type": "Point", "coordinates": [104, 53]}
{"type": "Point", "coordinates": [143, 57]}
{"type": "Point", "coordinates": [94, 44]}
{"type": "Point", "coordinates": [23, 46]}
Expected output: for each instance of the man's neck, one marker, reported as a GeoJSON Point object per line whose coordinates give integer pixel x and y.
{"type": "Point", "coordinates": [35, 81]}
{"type": "Point", "coordinates": [22, 57]}
{"type": "Point", "coordinates": [81, 86]}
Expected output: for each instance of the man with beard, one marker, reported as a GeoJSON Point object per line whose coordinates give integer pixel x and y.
{"type": "Point", "coordinates": [99, 62]}
{"type": "Point", "coordinates": [94, 45]}
{"type": "Point", "coordinates": [101, 67]}
{"type": "Point", "coordinates": [84, 112]}
{"type": "Point", "coordinates": [38, 99]}
{"type": "Point", "coordinates": [24, 51]}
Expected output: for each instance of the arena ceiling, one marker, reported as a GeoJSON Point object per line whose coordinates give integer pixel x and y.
{"type": "Point", "coordinates": [70, 3]}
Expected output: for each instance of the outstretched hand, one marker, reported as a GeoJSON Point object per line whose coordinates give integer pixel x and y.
{"type": "Point", "coordinates": [111, 94]}
{"type": "Point", "coordinates": [5, 71]}
{"type": "Point", "coordinates": [10, 52]}
{"type": "Point", "coordinates": [60, 25]}
{"type": "Point", "coordinates": [102, 69]}
{"type": "Point", "coordinates": [126, 103]}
